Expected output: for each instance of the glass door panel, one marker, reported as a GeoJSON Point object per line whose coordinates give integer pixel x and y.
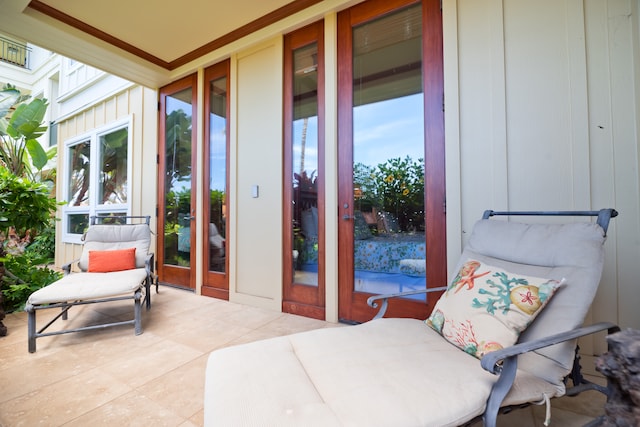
{"type": "Point", "coordinates": [388, 154]}
{"type": "Point", "coordinates": [176, 214]}
{"type": "Point", "coordinates": [305, 165]}
{"type": "Point", "coordinates": [217, 175]}
{"type": "Point", "coordinates": [303, 279]}
{"type": "Point", "coordinates": [177, 219]}
{"type": "Point", "coordinates": [385, 135]}
{"type": "Point", "coordinates": [216, 124]}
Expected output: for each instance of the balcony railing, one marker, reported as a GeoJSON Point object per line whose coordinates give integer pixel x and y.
{"type": "Point", "coordinates": [14, 53]}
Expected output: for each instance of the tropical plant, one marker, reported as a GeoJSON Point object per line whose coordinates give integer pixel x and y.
{"type": "Point", "coordinates": [26, 208]}
{"type": "Point", "coordinates": [20, 126]}
{"type": "Point", "coordinates": [23, 275]}
{"type": "Point", "coordinates": [400, 185]}
{"type": "Point", "coordinates": [396, 187]}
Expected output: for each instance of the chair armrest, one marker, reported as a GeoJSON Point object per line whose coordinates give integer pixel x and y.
{"type": "Point", "coordinates": [66, 268]}
{"type": "Point", "coordinates": [491, 361]}
{"type": "Point", "coordinates": [504, 363]}
{"type": "Point", "coordinates": [371, 301]}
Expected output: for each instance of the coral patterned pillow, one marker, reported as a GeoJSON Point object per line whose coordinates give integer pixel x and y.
{"type": "Point", "coordinates": [485, 308]}
{"type": "Point", "coordinates": [114, 260]}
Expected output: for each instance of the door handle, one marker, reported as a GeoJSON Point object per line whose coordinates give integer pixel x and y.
{"type": "Point", "coordinates": [346, 216]}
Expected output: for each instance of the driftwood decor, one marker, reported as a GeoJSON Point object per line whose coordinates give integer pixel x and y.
{"type": "Point", "coordinates": [621, 366]}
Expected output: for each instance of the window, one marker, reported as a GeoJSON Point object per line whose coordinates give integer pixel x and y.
{"type": "Point", "coordinates": [97, 177]}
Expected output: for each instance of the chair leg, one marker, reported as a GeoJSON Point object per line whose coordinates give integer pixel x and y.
{"type": "Point", "coordinates": [138, 313]}
{"type": "Point", "coordinates": [31, 328]}
{"type": "Point", "coordinates": [147, 297]}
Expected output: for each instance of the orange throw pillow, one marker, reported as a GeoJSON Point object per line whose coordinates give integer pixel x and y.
{"type": "Point", "coordinates": [116, 260]}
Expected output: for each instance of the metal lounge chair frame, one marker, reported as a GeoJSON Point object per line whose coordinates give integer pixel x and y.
{"type": "Point", "coordinates": [140, 294]}
{"type": "Point", "coordinates": [504, 362]}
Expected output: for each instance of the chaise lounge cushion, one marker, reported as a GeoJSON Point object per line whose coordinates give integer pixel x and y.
{"type": "Point", "coordinates": [89, 286]}
{"type": "Point", "coordinates": [380, 373]}
{"type": "Point", "coordinates": [572, 251]}
{"type": "Point", "coordinates": [105, 237]}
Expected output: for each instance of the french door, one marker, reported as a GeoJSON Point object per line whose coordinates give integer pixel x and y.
{"type": "Point", "coordinates": [304, 273]}
{"type": "Point", "coordinates": [390, 156]}
{"type": "Point", "coordinates": [177, 186]}
{"type": "Point", "coordinates": [216, 184]}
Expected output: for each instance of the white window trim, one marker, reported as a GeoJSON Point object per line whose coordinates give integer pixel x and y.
{"type": "Point", "coordinates": [94, 208]}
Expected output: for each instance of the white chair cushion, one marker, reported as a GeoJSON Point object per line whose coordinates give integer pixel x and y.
{"type": "Point", "coordinates": [381, 373]}
{"type": "Point", "coordinates": [90, 286]}
{"type": "Point", "coordinates": [573, 251]}
{"type": "Point", "coordinates": [105, 237]}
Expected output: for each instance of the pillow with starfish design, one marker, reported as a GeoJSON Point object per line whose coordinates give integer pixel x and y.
{"type": "Point", "coordinates": [486, 308]}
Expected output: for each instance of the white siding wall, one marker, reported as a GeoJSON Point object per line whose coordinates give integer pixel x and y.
{"type": "Point", "coordinates": [542, 112]}
{"type": "Point", "coordinates": [139, 103]}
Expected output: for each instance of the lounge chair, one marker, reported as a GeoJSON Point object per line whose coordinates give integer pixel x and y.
{"type": "Point", "coordinates": [502, 335]}
{"type": "Point", "coordinates": [115, 265]}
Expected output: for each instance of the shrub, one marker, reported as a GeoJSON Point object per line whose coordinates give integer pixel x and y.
{"type": "Point", "coordinates": [24, 274]}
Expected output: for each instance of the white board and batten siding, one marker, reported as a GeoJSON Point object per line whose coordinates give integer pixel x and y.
{"type": "Point", "coordinates": [543, 113]}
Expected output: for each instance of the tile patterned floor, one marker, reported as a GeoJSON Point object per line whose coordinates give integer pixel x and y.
{"type": "Point", "coordinates": [111, 377]}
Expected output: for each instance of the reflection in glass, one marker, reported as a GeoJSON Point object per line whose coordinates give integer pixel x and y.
{"type": "Point", "coordinates": [217, 173]}
{"type": "Point", "coordinates": [305, 165]}
{"type": "Point", "coordinates": [112, 180]}
{"type": "Point", "coordinates": [388, 154]}
{"type": "Point", "coordinates": [77, 223]}
{"type": "Point", "coordinates": [177, 221]}
{"type": "Point", "coordinates": [111, 218]}
{"type": "Point", "coordinates": [79, 169]}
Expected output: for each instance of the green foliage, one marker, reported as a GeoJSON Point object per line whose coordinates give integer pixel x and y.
{"type": "Point", "coordinates": [24, 275]}
{"type": "Point", "coordinates": [9, 96]}
{"type": "Point", "coordinates": [44, 244]}
{"type": "Point", "coordinates": [178, 206]}
{"type": "Point", "coordinates": [395, 186]}
{"type": "Point", "coordinates": [178, 148]}
{"type": "Point", "coordinates": [20, 127]}
{"type": "Point", "coordinates": [24, 205]}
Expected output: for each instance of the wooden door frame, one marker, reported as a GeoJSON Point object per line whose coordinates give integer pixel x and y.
{"type": "Point", "coordinates": [352, 305]}
{"type": "Point", "coordinates": [215, 284]}
{"type": "Point", "coordinates": [298, 298]}
{"type": "Point", "coordinates": [167, 273]}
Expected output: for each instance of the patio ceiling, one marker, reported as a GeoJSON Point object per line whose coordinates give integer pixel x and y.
{"type": "Point", "coordinates": [146, 41]}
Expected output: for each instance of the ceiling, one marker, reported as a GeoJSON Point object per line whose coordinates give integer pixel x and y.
{"type": "Point", "coordinates": [146, 41]}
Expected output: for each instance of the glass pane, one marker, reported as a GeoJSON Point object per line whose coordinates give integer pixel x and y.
{"type": "Point", "coordinates": [77, 223]}
{"type": "Point", "coordinates": [111, 218]}
{"type": "Point", "coordinates": [79, 169]}
{"type": "Point", "coordinates": [177, 225]}
{"type": "Point", "coordinates": [112, 178]}
{"type": "Point", "coordinates": [217, 173]}
{"type": "Point", "coordinates": [305, 165]}
{"type": "Point", "coordinates": [388, 154]}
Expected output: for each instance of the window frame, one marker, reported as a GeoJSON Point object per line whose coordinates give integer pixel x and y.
{"type": "Point", "coordinates": [94, 208]}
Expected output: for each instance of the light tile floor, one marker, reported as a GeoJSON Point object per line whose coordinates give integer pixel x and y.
{"type": "Point", "coordinates": [111, 377]}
